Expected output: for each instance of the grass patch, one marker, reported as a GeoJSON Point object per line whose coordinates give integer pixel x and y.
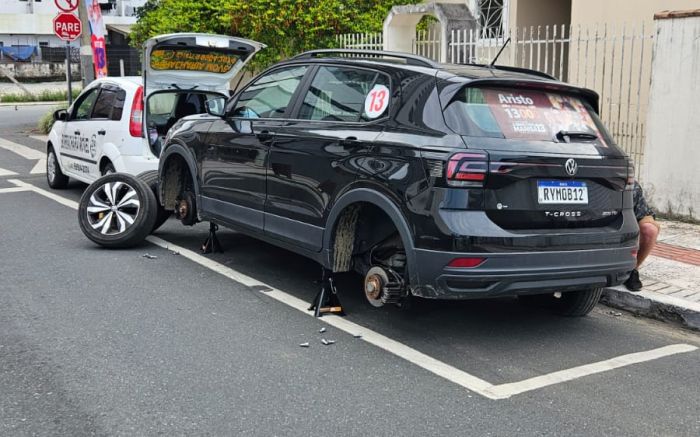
{"type": "Point", "coordinates": [46, 121]}
{"type": "Point", "coordinates": [43, 96]}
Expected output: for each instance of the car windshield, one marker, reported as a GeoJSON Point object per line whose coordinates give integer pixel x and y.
{"type": "Point", "coordinates": [529, 115]}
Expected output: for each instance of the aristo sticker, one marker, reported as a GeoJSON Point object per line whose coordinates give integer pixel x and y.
{"type": "Point", "coordinates": [377, 101]}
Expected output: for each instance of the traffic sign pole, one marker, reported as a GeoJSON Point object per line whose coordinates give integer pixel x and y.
{"type": "Point", "coordinates": [69, 76]}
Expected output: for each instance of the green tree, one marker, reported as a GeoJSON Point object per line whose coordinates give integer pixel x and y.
{"type": "Point", "coordinates": [286, 26]}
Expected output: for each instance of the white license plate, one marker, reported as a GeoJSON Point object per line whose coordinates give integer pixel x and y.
{"type": "Point", "coordinates": [562, 192]}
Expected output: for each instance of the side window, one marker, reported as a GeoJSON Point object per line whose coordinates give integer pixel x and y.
{"type": "Point", "coordinates": [84, 106]}
{"type": "Point", "coordinates": [119, 98]}
{"type": "Point", "coordinates": [104, 104]}
{"type": "Point", "coordinates": [339, 94]}
{"type": "Point", "coordinates": [270, 95]}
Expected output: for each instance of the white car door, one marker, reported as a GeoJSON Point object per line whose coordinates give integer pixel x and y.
{"type": "Point", "coordinates": [110, 130]}
{"type": "Point", "coordinates": [78, 150]}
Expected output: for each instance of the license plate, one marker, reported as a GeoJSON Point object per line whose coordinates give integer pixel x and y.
{"type": "Point", "coordinates": [562, 192]}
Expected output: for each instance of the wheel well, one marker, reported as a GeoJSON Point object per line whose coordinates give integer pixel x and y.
{"type": "Point", "coordinates": [360, 228]}
{"type": "Point", "coordinates": [49, 146]}
{"type": "Point", "coordinates": [103, 162]}
{"type": "Point", "coordinates": [176, 179]}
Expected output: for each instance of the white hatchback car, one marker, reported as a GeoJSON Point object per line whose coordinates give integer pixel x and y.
{"type": "Point", "coordinates": [106, 129]}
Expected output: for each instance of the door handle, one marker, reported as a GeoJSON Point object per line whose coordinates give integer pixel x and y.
{"type": "Point", "coordinates": [101, 132]}
{"type": "Point", "coordinates": [77, 132]}
{"type": "Point", "coordinates": [350, 143]}
{"type": "Point", "coordinates": [264, 136]}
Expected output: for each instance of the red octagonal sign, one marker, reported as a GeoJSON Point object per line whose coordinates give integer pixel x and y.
{"type": "Point", "coordinates": [67, 26]}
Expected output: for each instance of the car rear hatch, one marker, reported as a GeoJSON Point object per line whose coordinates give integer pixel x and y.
{"type": "Point", "coordinates": [548, 161]}
{"type": "Point", "coordinates": [199, 61]}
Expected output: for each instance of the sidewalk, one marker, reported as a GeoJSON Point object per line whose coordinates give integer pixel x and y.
{"type": "Point", "coordinates": [671, 277]}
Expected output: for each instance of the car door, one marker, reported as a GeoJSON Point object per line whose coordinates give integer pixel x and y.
{"type": "Point", "coordinates": [78, 152]}
{"type": "Point", "coordinates": [320, 151]}
{"type": "Point", "coordinates": [109, 132]}
{"type": "Point", "coordinates": [234, 165]}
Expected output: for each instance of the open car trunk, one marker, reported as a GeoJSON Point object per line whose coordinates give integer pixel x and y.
{"type": "Point", "coordinates": [184, 70]}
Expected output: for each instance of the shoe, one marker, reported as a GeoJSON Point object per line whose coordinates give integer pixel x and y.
{"type": "Point", "coordinates": [633, 283]}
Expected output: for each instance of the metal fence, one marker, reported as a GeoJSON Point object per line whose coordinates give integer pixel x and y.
{"type": "Point", "coordinates": [360, 41]}
{"type": "Point", "coordinates": [123, 59]}
{"type": "Point", "coordinates": [615, 61]}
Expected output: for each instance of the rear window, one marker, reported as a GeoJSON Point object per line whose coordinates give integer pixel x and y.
{"type": "Point", "coordinates": [522, 114]}
{"type": "Point", "coordinates": [192, 59]}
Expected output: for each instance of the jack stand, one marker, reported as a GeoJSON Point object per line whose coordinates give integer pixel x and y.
{"type": "Point", "coordinates": [326, 301]}
{"type": "Point", "coordinates": [212, 243]}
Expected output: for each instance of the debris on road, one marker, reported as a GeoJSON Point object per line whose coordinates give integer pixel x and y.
{"type": "Point", "coordinates": [304, 344]}
{"type": "Point", "coordinates": [357, 335]}
{"type": "Point", "coordinates": [322, 330]}
{"type": "Point", "coordinates": [149, 256]}
{"type": "Point", "coordinates": [327, 342]}
{"type": "Point", "coordinates": [614, 313]}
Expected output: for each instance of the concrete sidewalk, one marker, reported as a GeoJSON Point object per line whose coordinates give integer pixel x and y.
{"type": "Point", "coordinates": [671, 278]}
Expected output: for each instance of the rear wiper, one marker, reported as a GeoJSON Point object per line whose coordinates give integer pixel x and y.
{"type": "Point", "coordinates": [566, 136]}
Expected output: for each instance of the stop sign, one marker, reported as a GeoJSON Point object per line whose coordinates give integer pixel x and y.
{"type": "Point", "coordinates": [67, 26]}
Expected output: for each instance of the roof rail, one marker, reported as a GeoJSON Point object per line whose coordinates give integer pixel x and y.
{"type": "Point", "coordinates": [409, 58]}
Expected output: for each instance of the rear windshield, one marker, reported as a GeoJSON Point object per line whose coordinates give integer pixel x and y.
{"type": "Point", "coordinates": [525, 115]}
{"type": "Point", "coordinates": [192, 59]}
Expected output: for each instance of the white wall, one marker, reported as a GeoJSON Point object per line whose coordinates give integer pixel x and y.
{"type": "Point", "coordinates": [671, 173]}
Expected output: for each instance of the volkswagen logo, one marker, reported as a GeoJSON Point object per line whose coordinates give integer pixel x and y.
{"type": "Point", "coordinates": [571, 167]}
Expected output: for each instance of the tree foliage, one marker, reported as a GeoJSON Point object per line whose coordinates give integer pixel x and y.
{"type": "Point", "coordinates": [286, 26]}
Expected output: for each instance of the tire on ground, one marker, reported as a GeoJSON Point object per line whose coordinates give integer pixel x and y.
{"type": "Point", "coordinates": [54, 176]}
{"type": "Point", "coordinates": [577, 303]}
{"type": "Point", "coordinates": [151, 179]}
{"type": "Point", "coordinates": [143, 220]}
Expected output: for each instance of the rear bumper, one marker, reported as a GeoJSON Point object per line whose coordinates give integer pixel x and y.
{"type": "Point", "coordinates": [135, 164]}
{"type": "Point", "coordinates": [512, 274]}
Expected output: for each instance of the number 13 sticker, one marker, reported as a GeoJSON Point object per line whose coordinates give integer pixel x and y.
{"type": "Point", "coordinates": [377, 101]}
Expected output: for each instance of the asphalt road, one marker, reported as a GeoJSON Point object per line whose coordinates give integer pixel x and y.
{"type": "Point", "coordinates": [107, 342]}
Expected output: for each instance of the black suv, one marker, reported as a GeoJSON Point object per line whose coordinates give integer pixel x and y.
{"type": "Point", "coordinates": [431, 180]}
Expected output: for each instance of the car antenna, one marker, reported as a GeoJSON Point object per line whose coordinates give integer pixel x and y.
{"type": "Point", "coordinates": [499, 53]}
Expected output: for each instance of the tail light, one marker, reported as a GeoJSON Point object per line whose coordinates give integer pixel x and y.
{"type": "Point", "coordinates": [136, 118]}
{"type": "Point", "coordinates": [462, 263]}
{"type": "Point", "coordinates": [467, 169]}
{"type": "Point", "coordinates": [630, 175]}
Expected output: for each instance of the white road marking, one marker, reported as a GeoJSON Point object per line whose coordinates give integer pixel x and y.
{"type": "Point", "coordinates": [21, 150]}
{"type": "Point", "coordinates": [14, 190]}
{"type": "Point", "coordinates": [60, 199]}
{"type": "Point", "coordinates": [42, 138]}
{"type": "Point", "coordinates": [444, 370]}
{"type": "Point", "coordinates": [4, 172]}
{"type": "Point", "coordinates": [39, 167]}
{"type": "Point", "coordinates": [504, 391]}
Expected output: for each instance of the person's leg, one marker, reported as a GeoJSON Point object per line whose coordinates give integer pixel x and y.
{"type": "Point", "coordinates": [648, 232]}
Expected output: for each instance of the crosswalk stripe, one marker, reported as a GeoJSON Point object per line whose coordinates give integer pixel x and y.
{"type": "Point", "coordinates": [4, 172]}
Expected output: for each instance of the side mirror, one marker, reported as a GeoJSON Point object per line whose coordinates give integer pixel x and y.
{"type": "Point", "coordinates": [215, 106]}
{"type": "Point", "coordinates": [60, 115]}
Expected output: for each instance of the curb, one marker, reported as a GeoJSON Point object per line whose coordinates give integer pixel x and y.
{"type": "Point", "coordinates": [655, 306]}
{"type": "Point", "coordinates": [58, 102]}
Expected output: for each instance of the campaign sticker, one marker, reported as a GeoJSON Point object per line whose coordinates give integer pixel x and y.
{"type": "Point", "coordinates": [377, 101]}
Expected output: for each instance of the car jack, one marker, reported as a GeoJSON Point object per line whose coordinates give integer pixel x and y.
{"type": "Point", "coordinates": [212, 242]}
{"type": "Point", "coordinates": [326, 301]}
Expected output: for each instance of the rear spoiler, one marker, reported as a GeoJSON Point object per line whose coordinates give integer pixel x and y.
{"type": "Point", "coordinates": [449, 92]}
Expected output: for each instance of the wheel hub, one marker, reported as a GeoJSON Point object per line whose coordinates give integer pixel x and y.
{"type": "Point", "coordinates": [373, 287]}
{"type": "Point", "coordinates": [113, 208]}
